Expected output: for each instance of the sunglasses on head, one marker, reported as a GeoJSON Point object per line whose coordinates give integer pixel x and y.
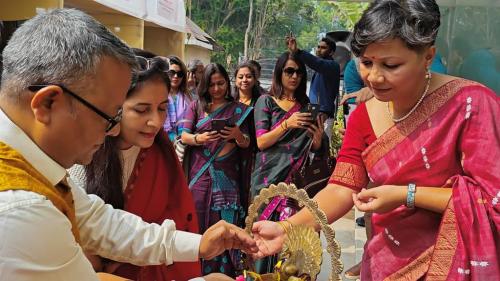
{"type": "Point", "coordinates": [171, 73]}
{"type": "Point", "coordinates": [289, 71]}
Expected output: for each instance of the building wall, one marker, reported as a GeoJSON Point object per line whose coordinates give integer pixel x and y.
{"type": "Point", "coordinates": [195, 52]}
{"type": "Point", "coordinates": [26, 9]}
{"type": "Point", "coordinates": [127, 28]}
{"type": "Point", "coordinates": [164, 42]}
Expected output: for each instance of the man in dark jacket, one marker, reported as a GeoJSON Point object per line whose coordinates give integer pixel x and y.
{"type": "Point", "coordinates": [324, 88]}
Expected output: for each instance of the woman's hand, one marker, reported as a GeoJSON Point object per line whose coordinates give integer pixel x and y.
{"type": "Point", "coordinates": [269, 236]}
{"type": "Point", "coordinates": [316, 132]}
{"type": "Point", "coordinates": [299, 120]}
{"type": "Point", "coordinates": [380, 199]}
{"type": "Point", "coordinates": [229, 133]}
{"type": "Point", "coordinates": [207, 137]}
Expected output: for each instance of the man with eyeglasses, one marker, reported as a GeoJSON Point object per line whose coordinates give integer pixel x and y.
{"type": "Point", "coordinates": [324, 88]}
{"type": "Point", "coordinates": [64, 81]}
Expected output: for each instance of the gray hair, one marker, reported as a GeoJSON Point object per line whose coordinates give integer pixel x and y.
{"type": "Point", "coordinates": [63, 46]}
{"type": "Point", "coordinates": [194, 63]}
{"type": "Point", "coordinates": [416, 22]}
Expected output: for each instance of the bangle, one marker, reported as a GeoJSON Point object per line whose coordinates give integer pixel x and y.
{"type": "Point", "coordinates": [410, 196]}
{"type": "Point", "coordinates": [284, 125]}
{"type": "Point", "coordinates": [283, 225]}
{"type": "Point", "coordinates": [195, 140]}
{"type": "Point", "coordinates": [245, 139]}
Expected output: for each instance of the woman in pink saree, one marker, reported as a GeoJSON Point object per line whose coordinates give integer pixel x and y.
{"type": "Point", "coordinates": [428, 146]}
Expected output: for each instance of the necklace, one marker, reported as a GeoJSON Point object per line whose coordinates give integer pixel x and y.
{"type": "Point", "coordinates": [396, 120]}
{"type": "Point", "coordinates": [288, 99]}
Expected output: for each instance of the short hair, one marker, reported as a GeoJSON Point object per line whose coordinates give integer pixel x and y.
{"type": "Point", "coordinates": [211, 69]}
{"type": "Point", "coordinates": [63, 46]}
{"type": "Point", "coordinates": [193, 64]}
{"type": "Point", "coordinates": [277, 85]}
{"type": "Point", "coordinates": [331, 44]}
{"type": "Point", "coordinates": [416, 22]}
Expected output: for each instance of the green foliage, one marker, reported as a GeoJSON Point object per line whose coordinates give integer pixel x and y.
{"type": "Point", "coordinates": [346, 14]}
{"type": "Point", "coordinates": [226, 21]}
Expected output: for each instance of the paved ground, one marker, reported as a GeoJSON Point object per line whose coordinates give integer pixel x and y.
{"type": "Point", "coordinates": [351, 239]}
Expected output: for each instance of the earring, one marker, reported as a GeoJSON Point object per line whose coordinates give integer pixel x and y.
{"type": "Point", "coordinates": [428, 74]}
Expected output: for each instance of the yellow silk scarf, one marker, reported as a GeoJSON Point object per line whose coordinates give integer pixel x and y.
{"type": "Point", "coordinates": [17, 174]}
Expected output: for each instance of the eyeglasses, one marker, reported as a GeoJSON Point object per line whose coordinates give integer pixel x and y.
{"type": "Point", "coordinates": [289, 71]}
{"type": "Point", "coordinates": [111, 120]}
{"type": "Point", "coordinates": [171, 73]}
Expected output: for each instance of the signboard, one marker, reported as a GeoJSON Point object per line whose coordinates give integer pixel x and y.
{"type": "Point", "coordinates": [167, 13]}
{"type": "Point", "coordinates": [135, 8]}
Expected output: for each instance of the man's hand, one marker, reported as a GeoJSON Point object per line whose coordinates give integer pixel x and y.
{"type": "Point", "coordinates": [269, 236]}
{"type": "Point", "coordinates": [361, 96]}
{"type": "Point", "coordinates": [224, 236]}
{"type": "Point", "coordinates": [291, 43]}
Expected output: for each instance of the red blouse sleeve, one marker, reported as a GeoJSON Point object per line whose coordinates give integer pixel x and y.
{"type": "Point", "coordinates": [350, 170]}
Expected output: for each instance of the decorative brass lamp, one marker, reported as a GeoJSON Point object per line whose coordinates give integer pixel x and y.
{"type": "Point", "coordinates": [301, 256]}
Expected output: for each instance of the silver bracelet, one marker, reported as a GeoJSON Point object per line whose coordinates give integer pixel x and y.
{"type": "Point", "coordinates": [245, 139]}
{"type": "Point", "coordinates": [410, 196]}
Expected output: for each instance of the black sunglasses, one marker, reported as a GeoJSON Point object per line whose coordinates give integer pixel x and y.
{"type": "Point", "coordinates": [113, 121]}
{"type": "Point", "coordinates": [289, 71]}
{"type": "Point", "coordinates": [171, 73]}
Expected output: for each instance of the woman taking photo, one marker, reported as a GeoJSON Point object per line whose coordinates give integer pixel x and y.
{"type": "Point", "coordinates": [428, 143]}
{"type": "Point", "coordinates": [179, 97]}
{"type": "Point", "coordinates": [214, 129]}
{"type": "Point", "coordinates": [284, 131]}
{"type": "Point", "coordinates": [138, 170]}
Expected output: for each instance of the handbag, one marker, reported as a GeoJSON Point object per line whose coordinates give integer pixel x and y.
{"type": "Point", "coordinates": [314, 174]}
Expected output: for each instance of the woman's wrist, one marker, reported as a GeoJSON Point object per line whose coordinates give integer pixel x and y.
{"type": "Point", "coordinates": [285, 225]}
{"type": "Point", "coordinates": [241, 141]}
{"type": "Point", "coordinates": [284, 125]}
{"type": "Point", "coordinates": [410, 195]}
{"type": "Point", "coordinates": [195, 139]}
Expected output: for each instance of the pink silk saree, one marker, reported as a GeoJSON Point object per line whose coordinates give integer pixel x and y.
{"type": "Point", "coordinates": [452, 141]}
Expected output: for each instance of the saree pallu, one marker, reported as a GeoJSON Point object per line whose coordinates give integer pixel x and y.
{"type": "Point", "coordinates": [156, 192]}
{"type": "Point", "coordinates": [278, 162]}
{"type": "Point", "coordinates": [215, 181]}
{"type": "Point", "coordinates": [452, 141]}
{"type": "Point", "coordinates": [176, 108]}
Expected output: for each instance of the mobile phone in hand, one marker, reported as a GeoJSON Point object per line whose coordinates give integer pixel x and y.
{"type": "Point", "coordinates": [314, 110]}
{"type": "Point", "coordinates": [218, 124]}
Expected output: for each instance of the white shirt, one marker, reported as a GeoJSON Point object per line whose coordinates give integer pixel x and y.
{"type": "Point", "coordinates": [128, 158]}
{"type": "Point", "coordinates": [36, 242]}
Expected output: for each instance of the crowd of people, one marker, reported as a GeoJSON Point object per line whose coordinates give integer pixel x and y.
{"type": "Point", "coordinates": [120, 161]}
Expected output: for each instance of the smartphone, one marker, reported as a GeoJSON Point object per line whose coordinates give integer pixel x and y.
{"type": "Point", "coordinates": [218, 124]}
{"type": "Point", "coordinates": [314, 110]}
